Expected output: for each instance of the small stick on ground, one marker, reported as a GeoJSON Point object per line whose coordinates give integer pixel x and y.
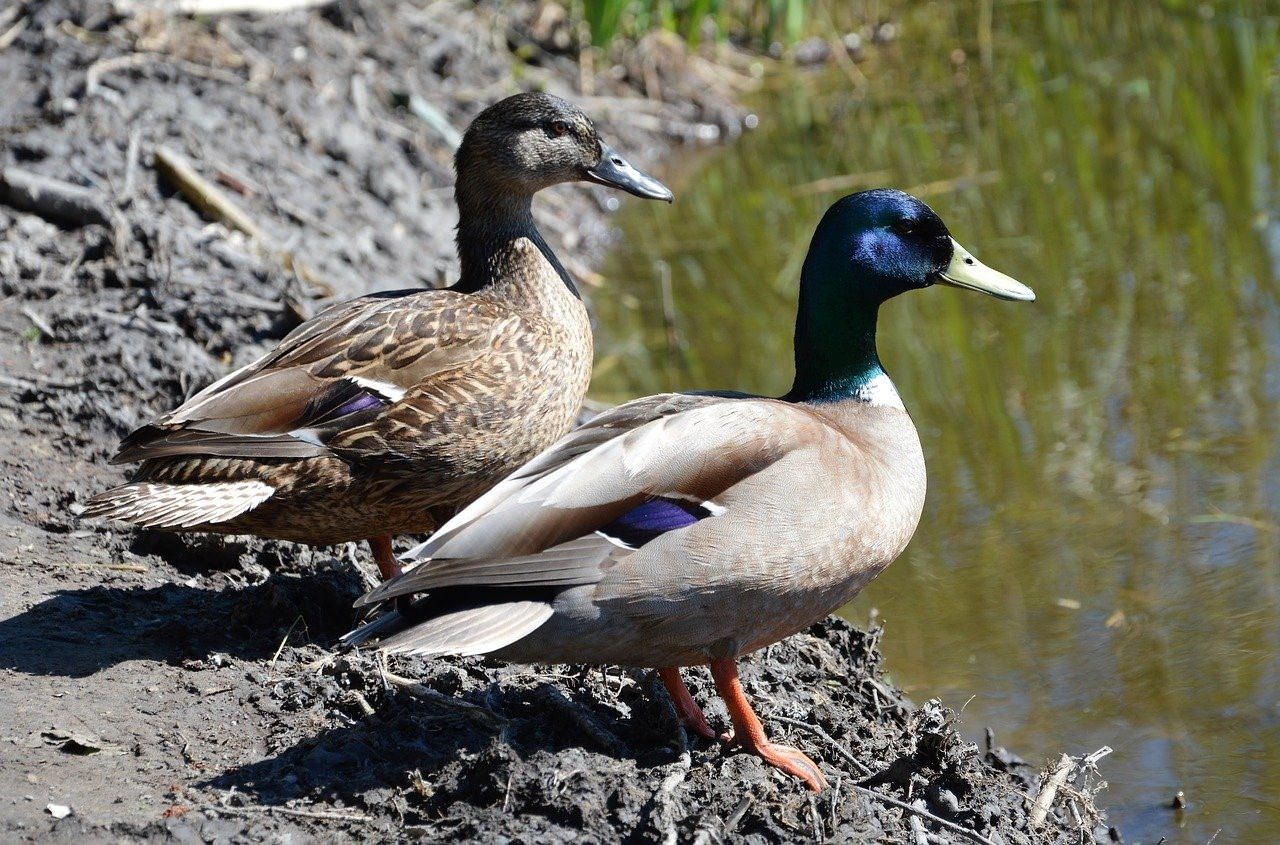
{"type": "Point", "coordinates": [40, 323]}
{"type": "Point", "coordinates": [1052, 782]}
{"type": "Point", "coordinates": [11, 34]}
{"type": "Point", "coordinates": [231, 7]}
{"type": "Point", "coordinates": [130, 167]}
{"type": "Point", "coordinates": [708, 832]}
{"type": "Point", "coordinates": [202, 193]}
{"type": "Point", "coordinates": [665, 801]}
{"type": "Point", "coordinates": [817, 820]}
{"type": "Point", "coordinates": [360, 701]}
{"type": "Point", "coordinates": [39, 384]}
{"type": "Point", "coordinates": [839, 749]}
{"type": "Point", "coordinates": [134, 317]}
{"type": "Point", "coordinates": [53, 199]}
{"type": "Point", "coordinates": [97, 70]}
{"type": "Point", "coordinates": [917, 826]}
{"type": "Point", "coordinates": [111, 567]}
{"type": "Point", "coordinates": [271, 667]}
{"type": "Point", "coordinates": [848, 756]}
{"type": "Point", "coordinates": [583, 719]}
{"type": "Point", "coordinates": [474, 711]}
{"type": "Point", "coordinates": [961, 830]}
{"type": "Point", "coordinates": [326, 815]}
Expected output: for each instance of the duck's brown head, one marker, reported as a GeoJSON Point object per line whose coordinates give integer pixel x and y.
{"type": "Point", "coordinates": [531, 141]}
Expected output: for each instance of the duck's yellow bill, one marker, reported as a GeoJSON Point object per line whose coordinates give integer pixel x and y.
{"type": "Point", "coordinates": [969, 273]}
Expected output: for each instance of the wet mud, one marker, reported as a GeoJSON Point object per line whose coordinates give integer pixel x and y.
{"type": "Point", "coordinates": [171, 688]}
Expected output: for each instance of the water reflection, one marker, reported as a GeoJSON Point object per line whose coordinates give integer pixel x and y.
{"type": "Point", "coordinates": [1100, 557]}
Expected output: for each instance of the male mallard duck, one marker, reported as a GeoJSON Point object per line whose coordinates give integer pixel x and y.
{"type": "Point", "coordinates": [381, 413]}
{"type": "Point", "coordinates": [681, 529]}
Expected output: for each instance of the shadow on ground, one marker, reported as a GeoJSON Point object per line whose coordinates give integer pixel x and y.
{"type": "Point", "coordinates": [465, 734]}
{"type": "Point", "coordinates": [75, 633]}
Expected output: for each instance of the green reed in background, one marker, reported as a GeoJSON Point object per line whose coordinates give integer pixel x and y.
{"type": "Point", "coordinates": [1100, 556]}
{"type": "Point", "coordinates": [762, 21]}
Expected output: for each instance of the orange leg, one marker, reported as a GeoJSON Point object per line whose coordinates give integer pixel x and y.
{"type": "Point", "coordinates": [384, 554]}
{"type": "Point", "coordinates": [389, 567]}
{"type": "Point", "coordinates": [749, 733]}
{"type": "Point", "coordinates": [687, 709]}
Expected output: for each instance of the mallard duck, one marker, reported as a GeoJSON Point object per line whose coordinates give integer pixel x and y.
{"type": "Point", "coordinates": [385, 412]}
{"type": "Point", "coordinates": [691, 529]}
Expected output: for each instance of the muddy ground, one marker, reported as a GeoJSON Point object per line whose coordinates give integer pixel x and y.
{"type": "Point", "coordinates": [159, 687]}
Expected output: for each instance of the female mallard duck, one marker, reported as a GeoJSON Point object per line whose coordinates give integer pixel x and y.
{"type": "Point", "coordinates": [382, 413]}
{"type": "Point", "coordinates": [680, 529]}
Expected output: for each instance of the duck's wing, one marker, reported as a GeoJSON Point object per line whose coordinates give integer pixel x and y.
{"type": "Point", "coordinates": [345, 368]}
{"type": "Point", "coordinates": [623, 479]}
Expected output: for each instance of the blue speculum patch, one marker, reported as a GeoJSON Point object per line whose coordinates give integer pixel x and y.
{"type": "Point", "coordinates": [363, 402]}
{"type": "Point", "coordinates": [652, 519]}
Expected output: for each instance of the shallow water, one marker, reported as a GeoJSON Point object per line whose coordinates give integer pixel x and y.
{"type": "Point", "coordinates": [1099, 560]}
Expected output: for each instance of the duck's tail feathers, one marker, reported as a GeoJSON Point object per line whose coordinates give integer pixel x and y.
{"type": "Point", "coordinates": [475, 630]}
{"type": "Point", "coordinates": [177, 506]}
{"type": "Point", "coordinates": [387, 623]}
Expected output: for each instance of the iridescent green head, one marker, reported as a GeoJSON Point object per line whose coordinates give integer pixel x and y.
{"type": "Point", "coordinates": [870, 247]}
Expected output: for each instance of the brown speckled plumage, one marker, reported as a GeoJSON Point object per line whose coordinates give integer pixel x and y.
{"type": "Point", "coordinates": [385, 414]}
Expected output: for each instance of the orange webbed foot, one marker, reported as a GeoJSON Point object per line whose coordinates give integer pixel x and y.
{"type": "Point", "coordinates": [749, 734]}
{"type": "Point", "coordinates": [792, 761]}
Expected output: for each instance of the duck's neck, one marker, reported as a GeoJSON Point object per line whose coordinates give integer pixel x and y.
{"type": "Point", "coordinates": [493, 220]}
{"type": "Point", "coordinates": [835, 346]}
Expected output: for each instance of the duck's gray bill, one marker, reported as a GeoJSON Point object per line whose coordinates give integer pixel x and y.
{"type": "Point", "coordinates": [616, 172]}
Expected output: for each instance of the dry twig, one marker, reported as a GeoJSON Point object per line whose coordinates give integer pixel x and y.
{"type": "Point", "coordinates": [583, 720]}
{"type": "Point", "coordinates": [665, 802]}
{"type": "Point", "coordinates": [474, 711]}
{"type": "Point", "coordinates": [40, 323]}
{"type": "Point", "coordinates": [202, 193]}
{"type": "Point", "coordinates": [360, 701]}
{"type": "Point", "coordinates": [97, 70]}
{"type": "Point", "coordinates": [708, 833]}
{"type": "Point", "coordinates": [218, 7]}
{"type": "Point", "coordinates": [326, 815]}
{"type": "Point", "coordinates": [39, 384]}
{"type": "Point", "coordinates": [1049, 789]}
{"type": "Point", "coordinates": [917, 826]}
{"type": "Point", "coordinates": [971, 835]}
{"type": "Point", "coordinates": [52, 199]}
{"type": "Point", "coordinates": [11, 34]}
{"type": "Point", "coordinates": [818, 731]}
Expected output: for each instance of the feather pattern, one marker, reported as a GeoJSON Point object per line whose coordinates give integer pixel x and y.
{"type": "Point", "coordinates": [386, 414]}
{"type": "Point", "coordinates": [378, 414]}
{"type": "Point", "coordinates": [180, 505]}
{"type": "Point", "coordinates": [686, 447]}
{"type": "Point", "coordinates": [734, 521]}
{"type": "Point", "coordinates": [476, 630]}
{"type": "Point", "coordinates": [662, 526]}
{"type": "Point", "coordinates": [683, 530]}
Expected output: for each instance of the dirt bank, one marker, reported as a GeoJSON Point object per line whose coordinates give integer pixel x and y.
{"type": "Point", "coordinates": [161, 687]}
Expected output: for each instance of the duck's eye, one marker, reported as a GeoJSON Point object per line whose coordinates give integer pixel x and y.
{"type": "Point", "coordinates": [904, 226]}
{"type": "Point", "coordinates": [559, 128]}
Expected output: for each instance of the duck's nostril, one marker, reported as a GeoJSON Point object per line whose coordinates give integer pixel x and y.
{"type": "Point", "coordinates": [619, 161]}
{"type": "Point", "coordinates": [968, 261]}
